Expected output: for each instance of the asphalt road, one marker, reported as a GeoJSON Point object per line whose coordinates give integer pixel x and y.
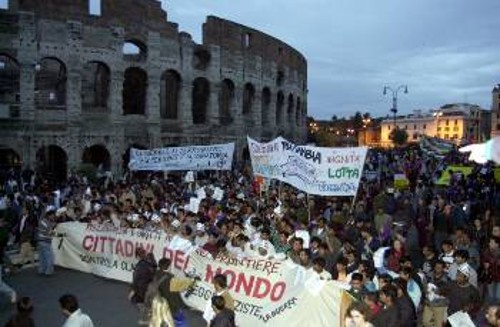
{"type": "Point", "coordinates": [105, 301]}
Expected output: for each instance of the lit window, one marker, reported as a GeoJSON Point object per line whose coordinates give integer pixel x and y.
{"type": "Point", "coordinates": [2, 65]}
{"type": "Point", "coordinates": [4, 4]}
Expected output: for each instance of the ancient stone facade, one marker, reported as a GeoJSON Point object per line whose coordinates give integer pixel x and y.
{"type": "Point", "coordinates": [79, 85]}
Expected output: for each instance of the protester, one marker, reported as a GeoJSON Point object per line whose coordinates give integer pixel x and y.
{"type": "Point", "coordinates": [75, 316]}
{"type": "Point", "coordinates": [358, 315]}
{"type": "Point", "coordinates": [168, 306]}
{"type": "Point", "coordinates": [45, 233]}
{"type": "Point", "coordinates": [143, 274]}
{"type": "Point", "coordinates": [220, 286]}
{"type": "Point", "coordinates": [456, 225]}
{"type": "Point", "coordinates": [23, 316]}
{"type": "Point", "coordinates": [223, 317]}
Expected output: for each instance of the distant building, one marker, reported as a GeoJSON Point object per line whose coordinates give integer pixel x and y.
{"type": "Point", "coordinates": [495, 111]}
{"type": "Point", "coordinates": [460, 122]}
{"type": "Point", "coordinates": [83, 85]}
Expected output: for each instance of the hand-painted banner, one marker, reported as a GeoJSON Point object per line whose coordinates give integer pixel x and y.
{"type": "Point", "coordinates": [202, 157]}
{"type": "Point", "coordinates": [266, 292]}
{"type": "Point", "coordinates": [314, 170]}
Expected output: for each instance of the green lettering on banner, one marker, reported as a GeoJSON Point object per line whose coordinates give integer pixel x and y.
{"type": "Point", "coordinates": [344, 172]}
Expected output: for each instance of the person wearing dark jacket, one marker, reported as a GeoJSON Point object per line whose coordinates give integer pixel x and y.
{"type": "Point", "coordinates": [389, 315]}
{"type": "Point", "coordinates": [224, 317]}
{"type": "Point", "coordinates": [406, 308]}
{"type": "Point", "coordinates": [167, 307]}
{"type": "Point", "coordinates": [142, 276]}
{"type": "Point", "coordinates": [462, 295]}
{"type": "Point", "coordinates": [23, 316]}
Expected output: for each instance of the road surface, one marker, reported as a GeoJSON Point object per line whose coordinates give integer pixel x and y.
{"type": "Point", "coordinates": [105, 301]}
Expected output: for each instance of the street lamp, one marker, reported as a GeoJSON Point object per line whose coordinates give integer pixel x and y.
{"type": "Point", "coordinates": [366, 121]}
{"type": "Point", "coordinates": [394, 92]}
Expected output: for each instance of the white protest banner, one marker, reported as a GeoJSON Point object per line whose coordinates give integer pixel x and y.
{"type": "Point", "coordinates": [194, 204]}
{"type": "Point", "coordinates": [266, 292]}
{"type": "Point", "coordinates": [218, 194]}
{"type": "Point", "coordinates": [199, 157]}
{"type": "Point", "coordinates": [314, 170]}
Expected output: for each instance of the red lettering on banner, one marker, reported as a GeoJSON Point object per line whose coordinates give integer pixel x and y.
{"type": "Point", "coordinates": [256, 290]}
{"type": "Point", "coordinates": [231, 278]}
{"type": "Point", "coordinates": [167, 253]}
{"type": "Point", "coordinates": [279, 286]}
{"type": "Point", "coordinates": [119, 248]}
{"type": "Point", "coordinates": [129, 248]}
{"type": "Point", "coordinates": [247, 285]}
{"type": "Point", "coordinates": [103, 241]}
{"type": "Point", "coordinates": [96, 240]}
{"type": "Point", "coordinates": [179, 260]}
{"type": "Point", "coordinates": [112, 242]}
{"type": "Point", "coordinates": [256, 287]}
{"type": "Point", "coordinates": [87, 246]}
{"type": "Point", "coordinates": [209, 276]}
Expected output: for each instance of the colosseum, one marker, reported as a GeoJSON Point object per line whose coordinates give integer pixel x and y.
{"type": "Point", "coordinates": [83, 81]}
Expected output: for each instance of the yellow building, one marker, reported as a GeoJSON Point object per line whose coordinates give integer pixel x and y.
{"type": "Point", "coordinates": [457, 123]}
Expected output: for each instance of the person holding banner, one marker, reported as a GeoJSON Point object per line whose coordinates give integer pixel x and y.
{"type": "Point", "coordinates": [167, 307]}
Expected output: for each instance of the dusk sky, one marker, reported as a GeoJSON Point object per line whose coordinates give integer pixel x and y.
{"type": "Point", "coordinates": [446, 51]}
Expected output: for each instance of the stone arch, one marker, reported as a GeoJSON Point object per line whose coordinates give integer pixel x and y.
{"type": "Point", "coordinates": [96, 78]}
{"type": "Point", "coordinates": [9, 157]}
{"type": "Point", "coordinates": [298, 111]}
{"type": "Point", "coordinates": [52, 163]}
{"type": "Point", "coordinates": [170, 94]}
{"type": "Point", "coordinates": [9, 79]}
{"type": "Point", "coordinates": [201, 58]}
{"type": "Point", "coordinates": [50, 83]}
{"type": "Point", "coordinates": [289, 109]}
{"type": "Point", "coordinates": [126, 154]}
{"type": "Point", "coordinates": [134, 49]}
{"type": "Point", "coordinates": [226, 101]}
{"type": "Point", "coordinates": [135, 87]}
{"type": "Point", "coordinates": [280, 102]}
{"type": "Point", "coordinates": [97, 155]}
{"type": "Point", "coordinates": [201, 95]}
{"type": "Point", "coordinates": [248, 98]}
{"type": "Point", "coordinates": [266, 103]}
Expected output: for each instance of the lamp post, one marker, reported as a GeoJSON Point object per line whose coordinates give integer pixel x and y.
{"type": "Point", "coordinates": [366, 121]}
{"type": "Point", "coordinates": [395, 92]}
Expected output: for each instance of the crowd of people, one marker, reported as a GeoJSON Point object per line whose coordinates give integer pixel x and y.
{"type": "Point", "coordinates": [407, 256]}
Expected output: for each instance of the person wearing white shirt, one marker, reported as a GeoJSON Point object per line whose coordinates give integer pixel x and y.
{"type": "Point", "coordinates": [461, 257]}
{"type": "Point", "coordinates": [263, 247]}
{"type": "Point", "coordinates": [319, 267]}
{"type": "Point", "coordinates": [70, 308]}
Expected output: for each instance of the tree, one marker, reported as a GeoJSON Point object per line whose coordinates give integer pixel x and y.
{"type": "Point", "coordinates": [357, 120]}
{"type": "Point", "coordinates": [399, 136]}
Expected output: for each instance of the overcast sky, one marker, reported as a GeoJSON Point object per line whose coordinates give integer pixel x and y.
{"type": "Point", "coordinates": [446, 51]}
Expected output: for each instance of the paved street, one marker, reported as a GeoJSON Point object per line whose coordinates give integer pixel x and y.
{"type": "Point", "coordinates": [104, 300]}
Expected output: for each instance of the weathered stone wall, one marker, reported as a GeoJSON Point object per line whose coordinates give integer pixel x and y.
{"type": "Point", "coordinates": [64, 30]}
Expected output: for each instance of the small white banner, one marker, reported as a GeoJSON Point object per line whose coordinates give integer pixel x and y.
{"type": "Point", "coordinates": [199, 157]}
